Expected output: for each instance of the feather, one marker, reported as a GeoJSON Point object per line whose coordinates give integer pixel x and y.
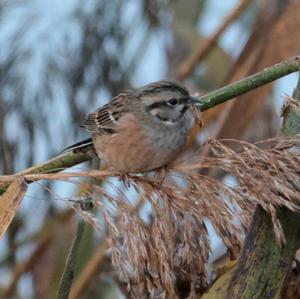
{"type": "Point", "coordinates": [105, 119]}
{"type": "Point", "coordinates": [81, 145]}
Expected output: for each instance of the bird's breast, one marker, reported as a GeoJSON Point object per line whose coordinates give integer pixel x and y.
{"type": "Point", "coordinates": [134, 148]}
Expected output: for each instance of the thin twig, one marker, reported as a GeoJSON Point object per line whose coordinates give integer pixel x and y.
{"type": "Point", "coordinates": [57, 176]}
{"type": "Point", "coordinates": [188, 66]}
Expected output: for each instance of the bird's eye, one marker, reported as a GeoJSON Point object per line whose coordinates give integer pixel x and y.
{"type": "Point", "coordinates": [172, 102]}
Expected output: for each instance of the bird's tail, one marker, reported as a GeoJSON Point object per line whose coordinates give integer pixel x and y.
{"type": "Point", "coordinates": [81, 146]}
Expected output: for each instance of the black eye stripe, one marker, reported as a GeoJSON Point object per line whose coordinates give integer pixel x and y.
{"type": "Point", "coordinates": [164, 103]}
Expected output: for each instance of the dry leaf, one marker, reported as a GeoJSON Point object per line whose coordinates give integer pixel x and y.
{"type": "Point", "coordinates": [9, 203]}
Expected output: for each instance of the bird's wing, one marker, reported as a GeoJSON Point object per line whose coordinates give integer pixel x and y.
{"type": "Point", "coordinates": [105, 119]}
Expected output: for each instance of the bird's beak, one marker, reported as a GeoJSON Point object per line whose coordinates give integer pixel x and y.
{"type": "Point", "coordinates": [195, 100]}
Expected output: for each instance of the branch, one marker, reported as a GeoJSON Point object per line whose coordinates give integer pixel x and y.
{"type": "Point", "coordinates": [54, 165]}
{"type": "Point", "coordinates": [263, 265]}
{"type": "Point", "coordinates": [210, 100]}
{"type": "Point", "coordinates": [240, 87]}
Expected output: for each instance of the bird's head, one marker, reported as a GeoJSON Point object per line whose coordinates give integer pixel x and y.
{"type": "Point", "coordinates": [166, 101]}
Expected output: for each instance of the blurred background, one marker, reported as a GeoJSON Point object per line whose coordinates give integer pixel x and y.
{"type": "Point", "coordinates": [61, 60]}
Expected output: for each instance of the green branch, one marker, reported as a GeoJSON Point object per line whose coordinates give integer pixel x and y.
{"type": "Point", "coordinates": [55, 164]}
{"type": "Point", "coordinates": [240, 87]}
{"type": "Point", "coordinates": [210, 100]}
{"type": "Point", "coordinates": [68, 274]}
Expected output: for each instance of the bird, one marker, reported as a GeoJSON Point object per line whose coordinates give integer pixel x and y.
{"type": "Point", "coordinates": [143, 129]}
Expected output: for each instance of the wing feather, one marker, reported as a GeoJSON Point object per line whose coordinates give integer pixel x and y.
{"type": "Point", "coordinates": [104, 120]}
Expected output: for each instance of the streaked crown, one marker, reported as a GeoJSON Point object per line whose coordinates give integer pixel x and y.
{"type": "Point", "coordinates": [166, 101]}
{"type": "Point", "coordinates": [163, 86]}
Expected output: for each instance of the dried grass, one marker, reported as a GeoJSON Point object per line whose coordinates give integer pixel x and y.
{"type": "Point", "coordinates": [168, 257]}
